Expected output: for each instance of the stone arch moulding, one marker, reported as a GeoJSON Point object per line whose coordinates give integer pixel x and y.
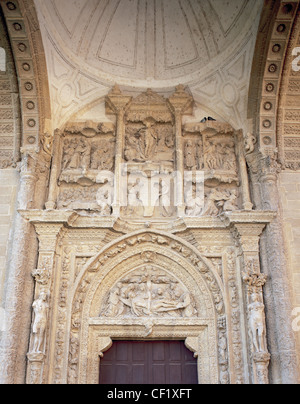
{"type": "Point", "coordinates": [268, 73]}
{"type": "Point", "coordinates": [28, 52]}
{"type": "Point", "coordinates": [145, 262]}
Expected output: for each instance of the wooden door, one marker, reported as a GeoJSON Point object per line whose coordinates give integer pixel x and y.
{"type": "Point", "coordinates": [155, 362]}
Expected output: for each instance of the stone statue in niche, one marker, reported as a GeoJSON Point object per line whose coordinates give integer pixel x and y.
{"type": "Point", "coordinates": [257, 323]}
{"type": "Point", "coordinates": [164, 203]}
{"type": "Point", "coordinates": [135, 205]}
{"type": "Point", "coordinates": [148, 139]}
{"type": "Point", "coordinates": [149, 293]}
{"type": "Point", "coordinates": [40, 310]}
{"type": "Point", "coordinates": [194, 199]}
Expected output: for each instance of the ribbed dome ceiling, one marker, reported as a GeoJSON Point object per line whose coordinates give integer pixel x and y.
{"type": "Point", "coordinates": [90, 45]}
{"type": "Point", "coordinates": [158, 40]}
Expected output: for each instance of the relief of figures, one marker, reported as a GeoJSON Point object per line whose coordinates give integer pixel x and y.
{"type": "Point", "coordinates": [144, 204]}
{"type": "Point", "coordinates": [150, 293]}
{"type": "Point", "coordinates": [93, 198]}
{"type": "Point", "coordinates": [84, 154]}
{"type": "Point", "coordinates": [150, 142]}
{"type": "Point", "coordinates": [102, 157]}
{"type": "Point", "coordinates": [77, 154]}
{"type": "Point", "coordinates": [220, 155]}
{"type": "Point", "coordinates": [216, 202]}
{"type": "Point", "coordinates": [219, 201]}
{"type": "Point", "coordinates": [193, 155]}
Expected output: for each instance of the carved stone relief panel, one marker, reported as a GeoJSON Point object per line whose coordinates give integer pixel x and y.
{"type": "Point", "coordinates": [156, 218]}
{"type": "Point", "coordinates": [149, 292]}
{"type": "Point", "coordinates": [87, 168]}
{"type": "Point", "coordinates": [149, 141]}
{"type": "Point", "coordinates": [215, 151]}
{"type": "Point", "coordinates": [149, 157]}
{"type": "Point", "coordinates": [150, 166]}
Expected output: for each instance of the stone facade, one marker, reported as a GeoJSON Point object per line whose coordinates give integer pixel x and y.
{"type": "Point", "coordinates": [137, 218]}
{"type": "Point", "coordinates": [172, 268]}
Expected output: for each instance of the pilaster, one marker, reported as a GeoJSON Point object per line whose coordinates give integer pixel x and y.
{"type": "Point", "coordinates": [48, 235]}
{"type": "Point", "coordinates": [247, 236]}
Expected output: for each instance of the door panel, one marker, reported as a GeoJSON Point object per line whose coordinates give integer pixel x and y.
{"type": "Point", "coordinates": [153, 362]}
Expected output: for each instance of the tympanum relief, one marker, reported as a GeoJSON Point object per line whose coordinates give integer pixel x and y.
{"type": "Point", "coordinates": [149, 292]}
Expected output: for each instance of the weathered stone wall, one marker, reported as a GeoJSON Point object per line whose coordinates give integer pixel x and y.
{"type": "Point", "coordinates": [290, 202]}
{"type": "Point", "coordinates": [9, 180]}
{"type": "Point", "coordinates": [10, 131]}
{"type": "Point", "coordinates": [9, 155]}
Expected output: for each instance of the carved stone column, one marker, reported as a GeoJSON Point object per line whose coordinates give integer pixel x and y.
{"type": "Point", "coordinates": [247, 228]}
{"type": "Point", "coordinates": [14, 343]}
{"type": "Point", "coordinates": [247, 204]}
{"type": "Point", "coordinates": [117, 103]}
{"type": "Point", "coordinates": [277, 290]}
{"type": "Point", "coordinates": [264, 171]}
{"type": "Point", "coordinates": [248, 236]}
{"type": "Point", "coordinates": [51, 204]}
{"type": "Point", "coordinates": [180, 101]}
{"type": "Point", "coordinates": [43, 275]}
{"type": "Point", "coordinates": [28, 180]}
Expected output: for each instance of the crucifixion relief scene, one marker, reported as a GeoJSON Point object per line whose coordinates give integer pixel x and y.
{"type": "Point", "coordinates": [149, 192]}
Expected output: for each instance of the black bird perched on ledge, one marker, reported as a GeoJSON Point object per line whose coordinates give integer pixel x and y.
{"type": "Point", "coordinates": [207, 119]}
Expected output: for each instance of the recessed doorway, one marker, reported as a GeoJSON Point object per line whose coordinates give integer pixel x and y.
{"type": "Point", "coordinates": [148, 362]}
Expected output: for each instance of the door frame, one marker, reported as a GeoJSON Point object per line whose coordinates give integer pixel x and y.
{"type": "Point", "coordinates": [167, 354]}
{"type": "Point", "coordinates": [199, 337]}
